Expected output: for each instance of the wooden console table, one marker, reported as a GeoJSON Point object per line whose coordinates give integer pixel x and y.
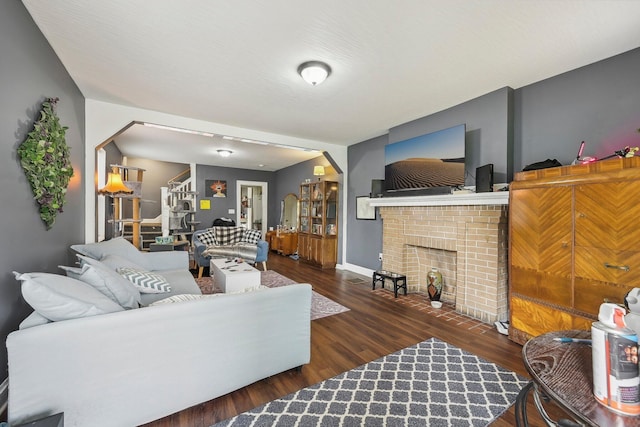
{"type": "Point", "coordinates": [284, 243]}
{"type": "Point", "coordinates": [399, 280]}
{"type": "Point", "coordinates": [563, 372]}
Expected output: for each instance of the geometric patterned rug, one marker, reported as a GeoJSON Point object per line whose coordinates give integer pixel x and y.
{"type": "Point", "coordinates": [429, 384]}
{"type": "Point", "coordinates": [321, 306]}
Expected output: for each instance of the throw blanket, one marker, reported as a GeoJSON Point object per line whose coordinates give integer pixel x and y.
{"type": "Point", "coordinates": [246, 251]}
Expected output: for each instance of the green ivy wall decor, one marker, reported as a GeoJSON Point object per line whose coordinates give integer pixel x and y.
{"type": "Point", "coordinates": [44, 156]}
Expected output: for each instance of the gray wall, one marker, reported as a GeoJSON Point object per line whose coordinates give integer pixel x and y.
{"type": "Point", "coordinates": [364, 237]}
{"type": "Point", "coordinates": [220, 206]}
{"type": "Point", "coordinates": [30, 72]}
{"type": "Point", "coordinates": [488, 139]}
{"type": "Point", "coordinates": [598, 104]}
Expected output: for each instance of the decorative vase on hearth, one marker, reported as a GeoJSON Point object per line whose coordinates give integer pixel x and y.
{"type": "Point", "coordinates": [434, 284]}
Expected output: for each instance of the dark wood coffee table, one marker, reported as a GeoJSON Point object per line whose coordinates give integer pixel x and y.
{"type": "Point", "coordinates": [563, 372]}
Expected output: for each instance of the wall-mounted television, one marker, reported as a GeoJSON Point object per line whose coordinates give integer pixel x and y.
{"type": "Point", "coordinates": [434, 160]}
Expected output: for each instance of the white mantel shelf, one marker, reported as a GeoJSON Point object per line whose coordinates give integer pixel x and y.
{"type": "Point", "coordinates": [456, 199]}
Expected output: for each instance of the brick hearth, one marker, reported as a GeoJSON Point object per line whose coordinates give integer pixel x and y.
{"type": "Point", "coordinates": [467, 243]}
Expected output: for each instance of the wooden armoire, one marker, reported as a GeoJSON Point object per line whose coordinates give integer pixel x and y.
{"type": "Point", "coordinates": [574, 243]}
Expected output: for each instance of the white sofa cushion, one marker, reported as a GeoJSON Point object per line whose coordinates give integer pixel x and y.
{"type": "Point", "coordinates": [115, 262]}
{"type": "Point", "coordinates": [59, 297]}
{"type": "Point", "coordinates": [106, 281]}
{"type": "Point", "coordinates": [117, 246]}
{"type": "Point", "coordinates": [147, 282]}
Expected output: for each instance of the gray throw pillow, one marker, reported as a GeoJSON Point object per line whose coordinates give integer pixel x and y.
{"type": "Point", "coordinates": [106, 281]}
{"type": "Point", "coordinates": [60, 298]}
{"type": "Point", "coordinates": [117, 246]}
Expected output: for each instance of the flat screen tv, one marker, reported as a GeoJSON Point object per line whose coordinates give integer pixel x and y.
{"type": "Point", "coordinates": [434, 160]}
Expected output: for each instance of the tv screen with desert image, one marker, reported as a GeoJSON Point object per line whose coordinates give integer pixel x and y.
{"type": "Point", "coordinates": [432, 160]}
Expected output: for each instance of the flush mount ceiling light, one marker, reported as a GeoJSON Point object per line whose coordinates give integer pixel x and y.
{"type": "Point", "coordinates": [314, 72]}
{"type": "Point", "coordinates": [225, 153]}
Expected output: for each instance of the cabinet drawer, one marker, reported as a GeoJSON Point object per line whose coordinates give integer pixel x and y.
{"type": "Point", "coordinates": [536, 319]}
{"type": "Point", "coordinates": [606, 265]}
{"type": "Point", "coordinates": [551, 288]}
{"type": "Point", "coordinates": [590, 294]}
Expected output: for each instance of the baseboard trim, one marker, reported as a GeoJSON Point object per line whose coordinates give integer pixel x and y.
{"type": "Point", "coordinates": [358, 269]}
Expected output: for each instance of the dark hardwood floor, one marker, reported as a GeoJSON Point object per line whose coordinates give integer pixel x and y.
{"type": "Point", "coordinates": [375, 326]}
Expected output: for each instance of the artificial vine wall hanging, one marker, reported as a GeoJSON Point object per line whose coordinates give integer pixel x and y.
{"type": "Point", "coordinates": [44, 156]}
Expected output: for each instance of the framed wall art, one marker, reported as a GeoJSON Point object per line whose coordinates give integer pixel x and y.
{"type": "Point", "coordinates": [215, 188]}
{"type": "Point", "coordinates": [364, 210]}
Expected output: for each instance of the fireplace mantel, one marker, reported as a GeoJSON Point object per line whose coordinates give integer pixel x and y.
{"type": "Point", "coordinates": [456, 199]}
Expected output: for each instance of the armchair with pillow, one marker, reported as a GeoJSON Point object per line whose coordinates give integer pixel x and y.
{"type": "Point", "coordinates": [237, 242]}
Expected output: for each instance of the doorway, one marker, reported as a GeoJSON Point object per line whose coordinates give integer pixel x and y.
{"type": "Point", "coordinates": [252, 203]}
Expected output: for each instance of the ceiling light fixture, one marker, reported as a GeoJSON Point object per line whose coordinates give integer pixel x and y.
{"type": "Point", "coordinates": [225, 153]}
{"type": "Point", "coordinates": [314, 72]}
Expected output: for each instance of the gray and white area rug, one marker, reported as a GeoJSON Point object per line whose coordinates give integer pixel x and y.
{"type": "Point", "coordinates": [429, 384]}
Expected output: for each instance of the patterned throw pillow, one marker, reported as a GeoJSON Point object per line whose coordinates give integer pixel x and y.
{"type": "Point", "coordinates": [252, 236]}
{"type": "Point", "coordinates": [146, 281]}
{"type": "Point", "coordinates": [229, 235]}
{"type": "Point", "coordinates": [208, 237]}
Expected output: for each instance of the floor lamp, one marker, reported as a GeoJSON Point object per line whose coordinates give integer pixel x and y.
{"type": "Point", "coordinates": [114, 187]}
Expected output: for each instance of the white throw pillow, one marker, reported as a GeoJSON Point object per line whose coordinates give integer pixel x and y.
{"type": "Point", "coordinates": [106, 281]}
{"type": "Point", "coordinates": [34, 319]}
{"type": "Point", "coordinates": [59, 297]}
{"type": "Point", "coordinates": [147, 282]}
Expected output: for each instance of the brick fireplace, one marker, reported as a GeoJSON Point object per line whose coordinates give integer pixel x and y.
{"type": "Point", "coordinates": [465, 237]}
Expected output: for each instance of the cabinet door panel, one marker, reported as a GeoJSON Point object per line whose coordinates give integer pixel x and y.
{"type": "Point", "coordinates": [303, 246]}
{"type": "Point", "coordinates": [541, 229]}
{"type": "Point", "coordinates": [606, 215]}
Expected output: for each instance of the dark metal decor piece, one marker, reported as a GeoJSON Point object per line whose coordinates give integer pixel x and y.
{"type": "Point", "coordinates": [430, 383]}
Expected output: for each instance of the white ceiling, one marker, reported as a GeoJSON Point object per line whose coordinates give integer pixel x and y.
{"type": "Point", "coordinates": [179, 147]}
{"type": "Point", "coordinates": [234, 61]}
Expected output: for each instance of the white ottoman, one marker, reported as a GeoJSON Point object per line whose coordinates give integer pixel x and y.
{"type": "Point", "coordinates": [232, 276]}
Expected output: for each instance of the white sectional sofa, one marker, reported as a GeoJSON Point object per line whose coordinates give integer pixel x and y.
{"type": "Point", "coordinates": [124, 367]}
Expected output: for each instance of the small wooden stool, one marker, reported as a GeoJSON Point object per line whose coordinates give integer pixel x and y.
{"type": "Point", "coordinates": [399, 280]}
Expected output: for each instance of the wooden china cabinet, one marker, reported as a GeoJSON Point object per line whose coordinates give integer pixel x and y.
{"type": "Point", "coordinates": [318, 236]}
{"type": "Point", "coordinates": [574, 244]}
